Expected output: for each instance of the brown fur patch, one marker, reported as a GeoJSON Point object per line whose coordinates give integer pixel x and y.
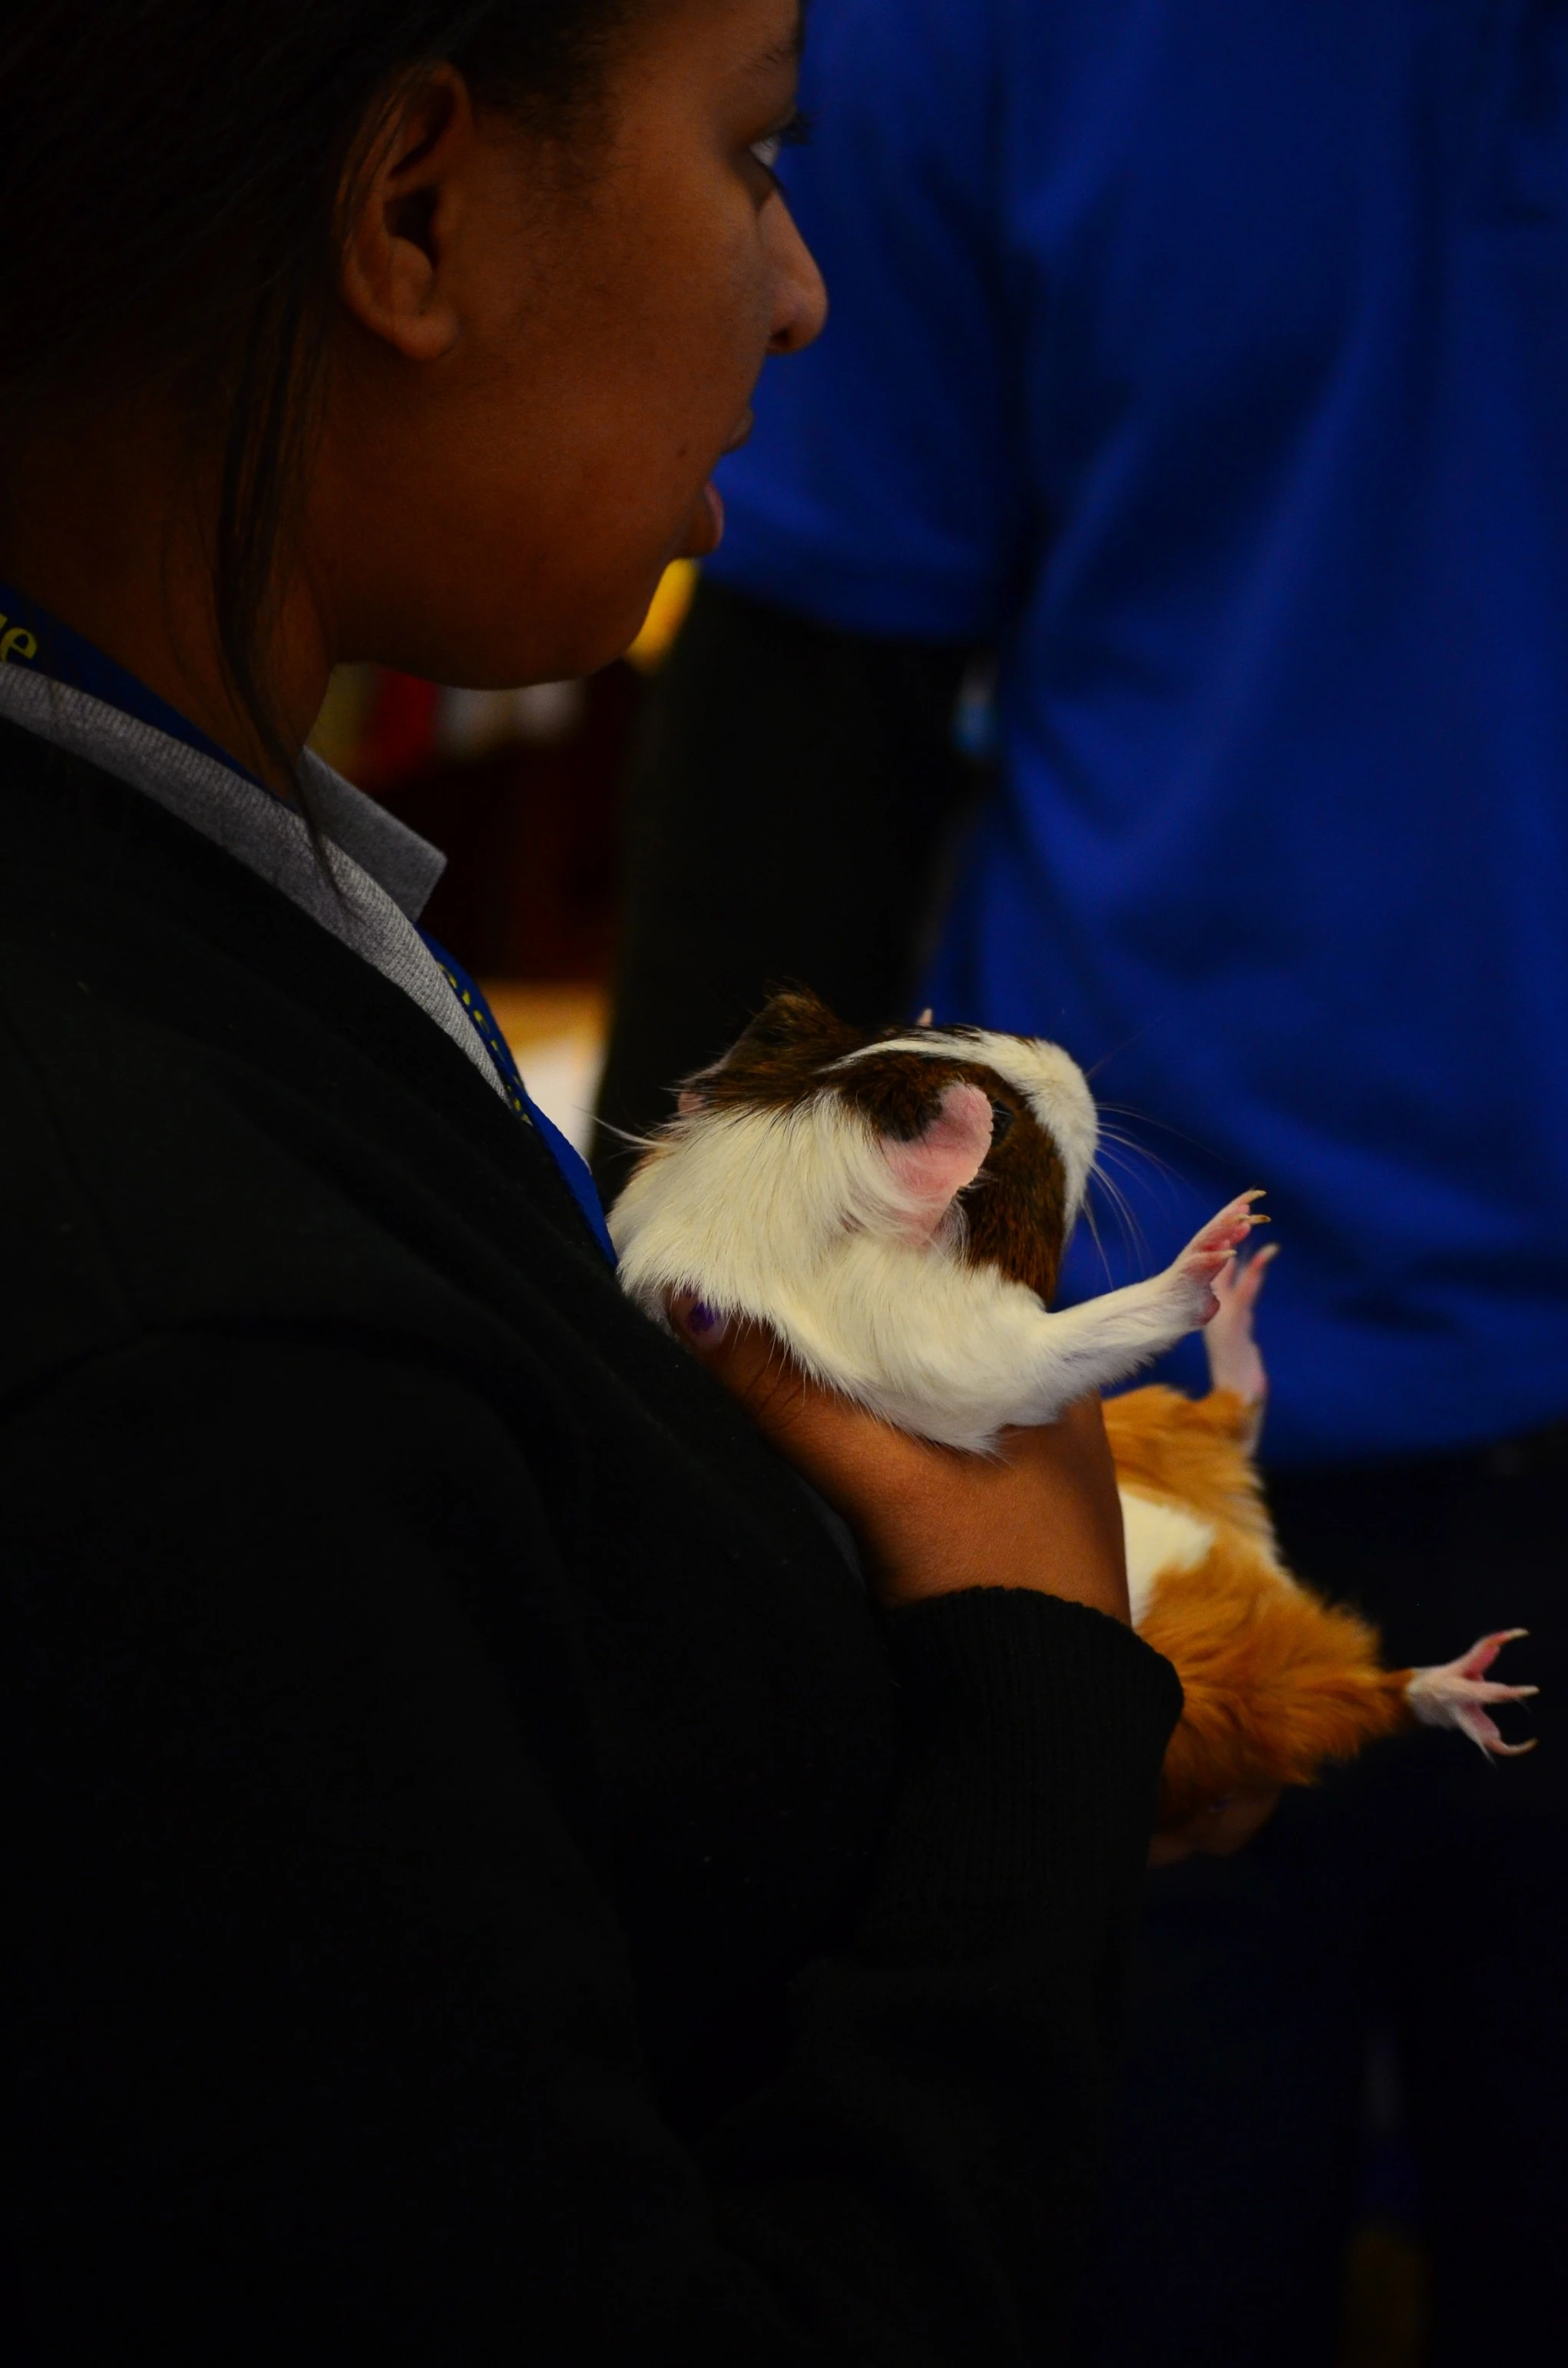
{"type": "Point", "coordinates": [1015, 1210]}
{"type": "Point", "coordinates": [777, 1061]}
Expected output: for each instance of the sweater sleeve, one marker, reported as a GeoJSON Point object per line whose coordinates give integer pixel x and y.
{"type": "Point", "coordinates": [328, 2045]}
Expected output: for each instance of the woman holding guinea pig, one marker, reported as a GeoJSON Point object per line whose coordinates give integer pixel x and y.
{"type": "Point", "coordinates": [489, 1874]}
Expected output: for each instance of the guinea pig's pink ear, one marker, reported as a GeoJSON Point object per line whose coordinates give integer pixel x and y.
{"type": "Point", "coordinates": [690, 1100]}
{"type": "Point", "coordinates": [932, 1170]}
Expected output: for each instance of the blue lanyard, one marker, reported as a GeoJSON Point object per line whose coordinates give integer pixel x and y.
{"type": "Point", "coordinates": [30, 637]}
{"type": "Point", "coordinates": [573, 1165]}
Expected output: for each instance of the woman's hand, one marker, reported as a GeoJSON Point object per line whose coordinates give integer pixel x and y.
{"type": "Point", "coordinates": [1042, 1513]}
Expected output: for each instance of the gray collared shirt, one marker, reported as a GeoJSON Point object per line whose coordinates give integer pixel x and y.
{"type": "Point", "coordinates": [382, 872]}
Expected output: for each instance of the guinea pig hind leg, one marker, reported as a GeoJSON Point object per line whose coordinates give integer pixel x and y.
{"type": "Point", "coordinates": [1236, 1362]}
{"type": "Point", "coordinates": [1458, 1695]}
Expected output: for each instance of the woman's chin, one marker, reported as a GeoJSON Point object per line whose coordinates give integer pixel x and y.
{"type": "Point", "coordinates": [703, 533]}
{"type": "Point", "coordinates": [591, 623]}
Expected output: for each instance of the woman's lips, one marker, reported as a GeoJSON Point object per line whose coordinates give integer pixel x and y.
{"type": "Point", "coordinates": [706, 528]}
{"type": "Point", "coordinates": [706, 531]}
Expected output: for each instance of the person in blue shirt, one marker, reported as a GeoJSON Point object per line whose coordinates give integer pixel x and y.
{"type": "Point", "coordinates": [1203, 369]}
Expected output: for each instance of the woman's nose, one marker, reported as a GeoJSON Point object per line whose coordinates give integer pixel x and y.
{"type": "Point", "coordinates": [799, 298]}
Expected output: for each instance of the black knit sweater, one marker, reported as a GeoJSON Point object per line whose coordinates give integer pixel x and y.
{"type": "Point", "coordinates": [484, 1883]}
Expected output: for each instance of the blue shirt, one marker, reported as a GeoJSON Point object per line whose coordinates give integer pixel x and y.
{"type": "Point", "coordinates": [1210, 359]}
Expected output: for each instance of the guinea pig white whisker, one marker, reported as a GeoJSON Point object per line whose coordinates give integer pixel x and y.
{"type": "Point", "coordinates": [1090, 1220]}
{"type": "Point", "coordinates": [624, 1134]}
{"type": "Point", "coordinates": [1134, 1151]}
{"type": "Point", "coordinates": [1143, 1118]}
{"type": "Point", "coordinates": [1093, 1068]}
{"type": "Point", "coordinates": [1134, 1233]}
{"type": "Point", "coordinates": [1131, 1231]}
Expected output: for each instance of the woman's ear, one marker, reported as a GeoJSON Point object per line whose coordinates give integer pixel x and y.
{"type": "Point", "coordinates": [398, 276]}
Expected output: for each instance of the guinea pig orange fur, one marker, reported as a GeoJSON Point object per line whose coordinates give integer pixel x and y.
{"type": "Point", "coordinates": [1274, 1681]}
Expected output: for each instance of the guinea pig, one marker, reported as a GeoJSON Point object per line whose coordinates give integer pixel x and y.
{"type": "Point", "coordinates": [895, 1208]}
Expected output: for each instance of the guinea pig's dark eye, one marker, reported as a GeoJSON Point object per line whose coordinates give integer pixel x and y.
{"type": "Point", "coordinates": [1001, 1121]}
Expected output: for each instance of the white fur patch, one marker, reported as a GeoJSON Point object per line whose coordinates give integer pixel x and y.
{"type": "Point", "coordinates": [1161, 1539]}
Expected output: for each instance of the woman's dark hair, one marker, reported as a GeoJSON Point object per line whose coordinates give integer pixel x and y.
{"type": "Point", "coordinates": [171, 182]}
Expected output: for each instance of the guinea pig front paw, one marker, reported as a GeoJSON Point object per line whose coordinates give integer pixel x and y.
{"type": "Point", "coordinates": [1210, 1253]}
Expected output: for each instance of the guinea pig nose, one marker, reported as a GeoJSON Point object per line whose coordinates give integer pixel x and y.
{"type": "Point", "coordinates": [1001, 1121]}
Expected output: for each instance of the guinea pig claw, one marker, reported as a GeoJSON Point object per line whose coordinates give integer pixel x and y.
{"type": "Point", "coordinates": [1208, 1253]}
{"type": "Point", "coordinates": [1484, 1651]}
{"type": "Point", "coordinates": [1457, 1694]}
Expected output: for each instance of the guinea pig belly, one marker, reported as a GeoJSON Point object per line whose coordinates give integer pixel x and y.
{"type": "Point", "coordinates": [1163, 1541]}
